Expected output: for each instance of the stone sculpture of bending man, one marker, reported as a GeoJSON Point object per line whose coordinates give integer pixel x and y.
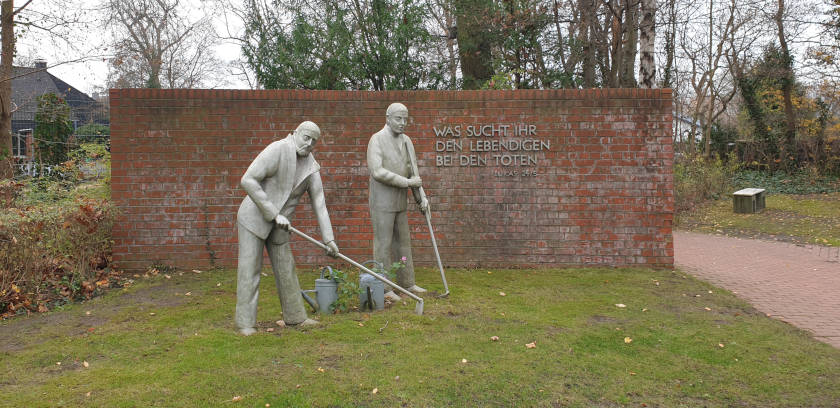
{"type": "Point", "coordinates": [275, 182]}
{"type": "Point", "coordinates": [389, 156]}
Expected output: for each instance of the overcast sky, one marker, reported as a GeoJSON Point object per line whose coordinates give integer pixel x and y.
{"type": "Point", "coordinates": [89, 40]}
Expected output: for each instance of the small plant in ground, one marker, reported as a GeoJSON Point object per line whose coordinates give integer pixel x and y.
{"type": "Point", "coordinates": [348, 291]}
{"type": "Point", "coordinates": [391, 272]}
{"type": "Point", "coordinates": [160, 267]}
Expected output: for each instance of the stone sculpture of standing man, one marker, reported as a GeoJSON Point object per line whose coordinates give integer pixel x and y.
{"type": "Point", "coordinates": [275, 181]}
{"type": "Point", "coordinates": [389, 156]}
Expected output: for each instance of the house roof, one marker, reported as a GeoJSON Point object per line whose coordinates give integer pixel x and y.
{"type": "Point", "coordinates": [29, 83]}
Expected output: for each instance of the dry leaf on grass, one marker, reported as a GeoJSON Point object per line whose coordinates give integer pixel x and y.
{"type": "Point", "coordinates": [237, 398]}
{"type": "Point", "coordinates": [502, 294]}
{"type": "Point", "coordinates": [531, 345]}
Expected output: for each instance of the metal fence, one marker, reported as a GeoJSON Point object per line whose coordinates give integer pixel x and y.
{"type": "Point", "coordinates": [91, 123]}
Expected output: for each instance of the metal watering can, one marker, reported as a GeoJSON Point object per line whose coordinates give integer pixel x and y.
{"type": "Point", "coordinates": [372, 295]}
{"type": "Point", "coordinates": [326, 292]}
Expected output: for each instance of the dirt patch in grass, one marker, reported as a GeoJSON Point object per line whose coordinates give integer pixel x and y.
{"type": "Point", "coordinates": [27, 331]}
{"type": "Point", "coordinates": [84, 318]}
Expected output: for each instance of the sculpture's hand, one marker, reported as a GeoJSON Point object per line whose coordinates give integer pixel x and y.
{"type": "Point", "coordinates": [424, 206]}
{"type": "Point", "coordinates": [332, 249]}
{"type": "Point", "coordinates": [282, 221]}
{"type": "Point", "coordinates": [415, 182]}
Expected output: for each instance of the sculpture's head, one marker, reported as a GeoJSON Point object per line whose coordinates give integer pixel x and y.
{"type": "Point", "coordinates": [396, 117]}
{"type": "Point", "coordinates": [305, 137]}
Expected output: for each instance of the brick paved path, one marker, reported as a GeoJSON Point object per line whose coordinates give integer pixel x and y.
{"type": "Point", "coordinates": [797, 284]}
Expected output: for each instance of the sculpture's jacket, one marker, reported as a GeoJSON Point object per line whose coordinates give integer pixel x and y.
{"type": "Point", "coordinates": [389, 163]}
{"type": "Point", "coordinates": [282, 178]}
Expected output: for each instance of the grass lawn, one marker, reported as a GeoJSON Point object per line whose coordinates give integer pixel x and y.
{"type": "Point", "coordinates": [806, 219]}
{"type": "Point", "coordinates": [171, 342]}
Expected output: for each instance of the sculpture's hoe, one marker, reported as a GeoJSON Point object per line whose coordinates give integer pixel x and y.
{"type": "Point", "coordinates": [418, 308]}
{"type": "Point", "coordinates": [416, 171]}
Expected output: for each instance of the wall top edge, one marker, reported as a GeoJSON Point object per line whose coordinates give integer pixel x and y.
{"type": "Point", "coordinates": [297, 94]}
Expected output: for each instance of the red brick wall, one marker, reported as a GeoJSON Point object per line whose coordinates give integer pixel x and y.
{"type": "Point", "coordinates": [602, 193]}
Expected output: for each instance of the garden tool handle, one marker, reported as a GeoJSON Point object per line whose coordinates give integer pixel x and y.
{"type": "Point", "coordinates": [362, 267]}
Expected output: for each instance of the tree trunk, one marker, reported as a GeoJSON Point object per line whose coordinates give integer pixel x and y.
{"type": "Point", "coordinates": [8, 47]}
{"type": "Point", "coordinates": [587, 30]}
{"type": "Point", "coordinates": [787, 88]}
{"type": "Point", "coordinates": [616, 49]}
{"type": "Point", "coordinates": [647, 34]}
{"type": "Point", "coordinates": [630, 36]}
{"type": "Point", "coordinates": [450, 46]}
{"type": "Point", "coordinates": [474, 42]}
{"type": "Point", "coordinates": [670, 45]}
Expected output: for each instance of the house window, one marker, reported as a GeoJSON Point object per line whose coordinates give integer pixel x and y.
{"type": "Point", "coordinates": [19, 144]}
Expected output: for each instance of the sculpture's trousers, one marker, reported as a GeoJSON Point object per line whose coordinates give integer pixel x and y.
{"type": "Point", "coordinates": [248, 277]}
{"type": "Point", "coordinates": [391, 242]}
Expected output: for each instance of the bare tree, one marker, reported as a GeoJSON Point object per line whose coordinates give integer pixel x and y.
{"type": "Point", "coordinates": [443, 17]}
{"type": "Point", "coordinates": [702, 78]}
{"type": "Point", "coordinates": [156, 45]}
{"type": "Point", "coordinates": [7, 19]}
{"type": "Point", "coordinates": [787, 80]}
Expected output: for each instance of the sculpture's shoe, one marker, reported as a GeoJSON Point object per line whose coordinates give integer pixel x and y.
{"type": "Point", "coordinates": [247, 331]}
{"type": "Point", "coordinates": [306, 323]}
{"type": "Point", "coordinates": [392, 296]}
{"type": "Point", "coordinates": [417, 289]}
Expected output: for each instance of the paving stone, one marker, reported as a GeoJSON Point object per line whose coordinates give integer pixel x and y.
{"type": "Point", "coordinates": [793, 283]}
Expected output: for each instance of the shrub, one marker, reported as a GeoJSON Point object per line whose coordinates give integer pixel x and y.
{"type": "Point", "coordinates": [51, 255]}
{"type": "Point", "coordinates": [93, 133]}
{"type": "Point", "coordinates": [91, 129]}
{"type": "Point", "coordinates": [52, 129]}
{"type": "Point", "coordinates": [804, 181]}
{"type": "Point", "coordinates": [697, 179]}
{"type": "Point", "coordinates": [90, 155]}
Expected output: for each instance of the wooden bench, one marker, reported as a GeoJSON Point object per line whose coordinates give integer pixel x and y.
{"type": "Point", "coordinates": [748, 200]}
